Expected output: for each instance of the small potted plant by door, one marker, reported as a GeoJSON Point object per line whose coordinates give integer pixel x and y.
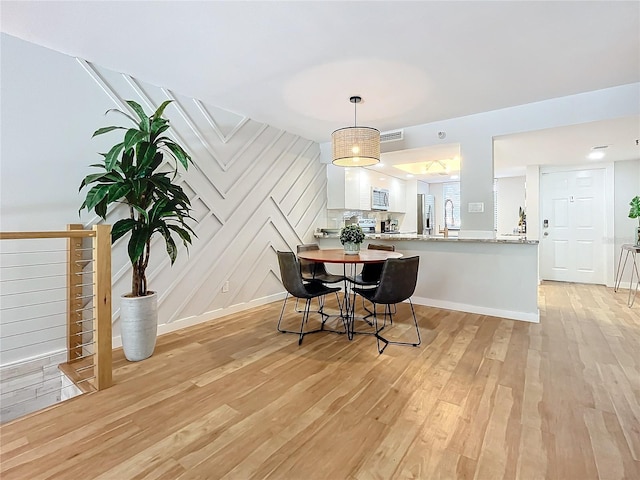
{"type": "Point", "coordinates": [634, 212]}
{"type": "Point", "coordinates": [351, 237]}
{"type": "Point", "coordinates": [134, 173]}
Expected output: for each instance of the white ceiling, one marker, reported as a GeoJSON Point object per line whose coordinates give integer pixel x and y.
{"type": "Point", "coordinates": [294, 65]}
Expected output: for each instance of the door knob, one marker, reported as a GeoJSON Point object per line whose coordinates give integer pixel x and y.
{"type": "Point", "coordinates": [546, 234]}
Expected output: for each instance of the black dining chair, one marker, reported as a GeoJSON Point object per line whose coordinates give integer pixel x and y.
{"type": "Point", "coordinates": [316, 270]}
{"type": "Point", "coordinates": [397, 283]}
{"type": "Point", "coordinates": [370, 274]}
{"type": "Point", "coordinates": [296, 287]}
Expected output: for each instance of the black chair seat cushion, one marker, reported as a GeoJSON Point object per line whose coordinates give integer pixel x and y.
{"type": "Point", "coordinates": [316, 289]}
{"type": "Point", "coordinates": [316, 270]}
{"type": "Point", "coordinates": [367, 293]}
{"type": "Point", "coordinates": [367, 277]}
{"type": "Point", "coordinates": [325, 277]}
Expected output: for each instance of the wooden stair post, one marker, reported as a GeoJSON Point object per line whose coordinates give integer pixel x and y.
{"type": "Point", "coordinates": [102, 306]}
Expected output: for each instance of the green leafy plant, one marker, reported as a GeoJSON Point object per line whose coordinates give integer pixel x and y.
{"type": "Point", "coordinates": [133, 173]}
{"type": "Point", "coordinates": [522, 216]}
{"type": "Point", "coordinates": [634, 212]}
{"type": "Point", "coordinates": [351, 234]}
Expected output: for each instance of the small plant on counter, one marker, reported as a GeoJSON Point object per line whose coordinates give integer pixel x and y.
{"type": "Point", "coordinates": [351, 234]}
{"type": "Point", "coordinates": [522, 220]}
{"type": "Point", "coordinates": [634, 211]}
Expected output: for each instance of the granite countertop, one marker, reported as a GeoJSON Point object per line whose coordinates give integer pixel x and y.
{"type": "Point", "coordinates": [428, 238]}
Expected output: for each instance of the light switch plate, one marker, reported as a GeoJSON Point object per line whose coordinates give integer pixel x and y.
{"type": "Point", "coordinates": [476, 207]}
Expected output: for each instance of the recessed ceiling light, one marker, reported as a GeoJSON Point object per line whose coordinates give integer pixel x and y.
{"type": "Point", "coordinates": [432, 167]}
{"type": "Point", "coordinates": [409, 175]}
{"type": "Point", "coordinates": [380, 165]}
{"type": "Point", "coordinates": [596, 155]}
{"type": "Point", "coordinates": [597, 152]}
{"type": "Point", "coordinates": [454, 177]}
{"type": "Point", "coordinates": [382, 178]}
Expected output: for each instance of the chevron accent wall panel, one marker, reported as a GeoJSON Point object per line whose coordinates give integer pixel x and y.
{"type": "Point", "coordinates": [255, 189]}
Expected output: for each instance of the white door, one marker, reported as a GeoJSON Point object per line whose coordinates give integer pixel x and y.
{"type": "Point", "coordinates": [573, 226]}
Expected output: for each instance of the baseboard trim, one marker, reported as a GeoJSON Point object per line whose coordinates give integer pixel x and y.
{"type": "Point", "coordinates": [494, 312]}
{"type": "Point", "coordinates": [208, 316]}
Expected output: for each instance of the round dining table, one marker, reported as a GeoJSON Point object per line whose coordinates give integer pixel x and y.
{"type": "Point", "coordinates": [337, 255]}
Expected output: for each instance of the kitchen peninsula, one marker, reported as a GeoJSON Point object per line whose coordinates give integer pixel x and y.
{"type": "Point", "coordinates": [486, 276]}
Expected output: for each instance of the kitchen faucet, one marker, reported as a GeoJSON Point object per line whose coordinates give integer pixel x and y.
{"type": "Point", "coordinates": [447, 201]}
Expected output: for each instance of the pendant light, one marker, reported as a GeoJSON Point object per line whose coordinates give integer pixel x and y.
{"type": "Point", "coordinates": [355, 146]}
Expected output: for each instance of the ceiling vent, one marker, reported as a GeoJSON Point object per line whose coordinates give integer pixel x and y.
{"type": "Point", "coordinates": [392, 136]}
{"type": "Point", "coordinates": [600, 147]}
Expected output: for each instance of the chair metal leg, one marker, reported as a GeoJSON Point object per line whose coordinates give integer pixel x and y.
{"type": "Point", "coordinates": [297, 310]}
{"type": "Point", "coordinates": [370, 313]}
{"type": "Point", "coordinates": [380, 339]}
{"type": "Point", "coordinates": [320, 310]}
{"type": "Point", "coordinates": [286, 297]}
{"type": "Point", "coordinates": [305, 319]}
{"type": "Point", "coordinates": [351, 315]}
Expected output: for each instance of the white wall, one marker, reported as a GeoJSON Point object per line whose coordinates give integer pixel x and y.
{"type": "Point", "coordinates": [49, 110]}
{"type": "Point", "coordinates": [255, 188]}
{"type": "Point", "coordinates": [510, 193]}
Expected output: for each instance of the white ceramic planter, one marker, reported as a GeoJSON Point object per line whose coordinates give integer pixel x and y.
{"type": "Point", "coordinates": [351, 248]}
{"type": "Point", "coordinates": [139, 326]}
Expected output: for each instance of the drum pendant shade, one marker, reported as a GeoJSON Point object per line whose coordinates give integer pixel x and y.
{"type": "Point", "coordinates": [355, 146]}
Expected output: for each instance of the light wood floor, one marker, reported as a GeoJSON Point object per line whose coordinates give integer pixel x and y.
{"type": "Point", "coordinates": [482, 398]}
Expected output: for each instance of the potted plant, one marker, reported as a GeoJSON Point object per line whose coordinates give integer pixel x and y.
{"type": "Point", "coordinates": [134, 173]}
{"type": "Point", "coordinates": [351, 237]}
{"type": "Point", "coordinates": [634, 212]}
{"type": "Point", "coordinates": [522, 221]}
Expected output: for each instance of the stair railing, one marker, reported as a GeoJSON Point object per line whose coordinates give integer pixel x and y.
{"type": "Point", "coordinates": [88, 303]}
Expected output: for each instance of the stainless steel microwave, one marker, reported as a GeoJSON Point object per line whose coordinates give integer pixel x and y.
{"type": "Point", "coordinates": [379, 199]}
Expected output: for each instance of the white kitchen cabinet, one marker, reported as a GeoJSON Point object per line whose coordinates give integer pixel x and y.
{"type": "Point", "coordinates": [349, 188]}
{"type": "Point", "coordinates": [335, 187]}
{"type": "Point", "coordinates": [397, 195]}
{"type": "Point", "coordinates": [365, 189]}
